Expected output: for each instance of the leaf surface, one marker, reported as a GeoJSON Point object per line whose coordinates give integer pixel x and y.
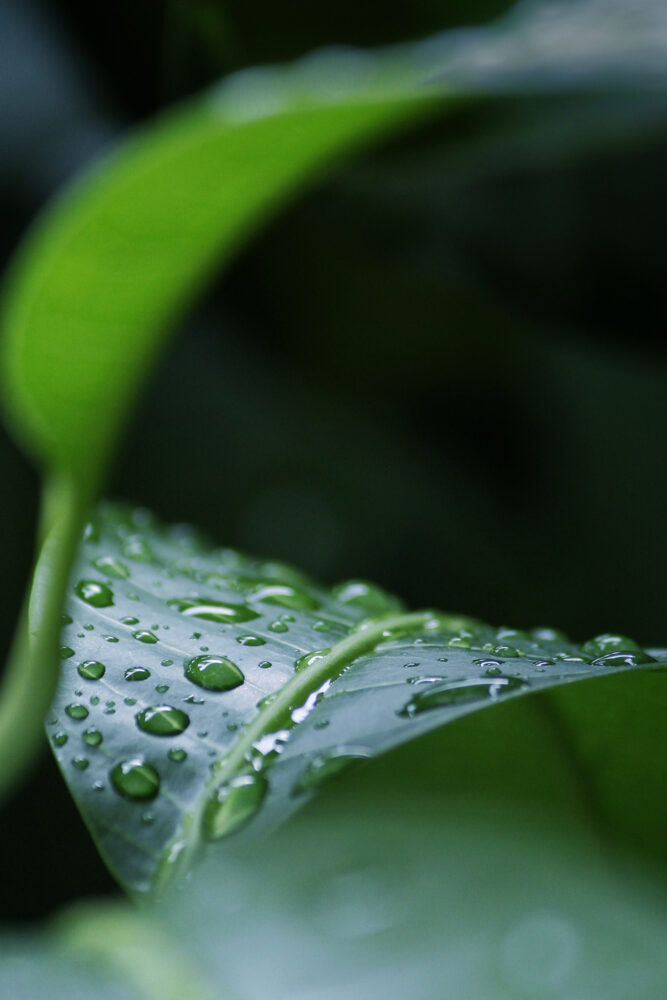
{"type": "Point", "coordinates": [204, 692]}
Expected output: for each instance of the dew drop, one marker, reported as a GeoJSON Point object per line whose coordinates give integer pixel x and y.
{"type": "Point", "coordinates": [177, 755]}
{"type": "Point", "coordinates": [232, 805]}
{"type": "Point", "coordinates": [60, 739]}
{"type": "Point", "coordinates": [77, 712]}
{"type": "Point", "coordinates": [309, 659]}
{"type": "Point", "coordinates": [278, 626]}
{"type": "Point", "coordinates": [264, 664]}
{"type": "Point", "coordinates": [66, 652]}
{"type": "Point", "coordinates": [601, 645]}
{"type": "Point", "coordinates": [80, 763]}
{"type": "Point", "coordinates": [142, 635]}
{"type": "Point", "coordinates": [91, 670]}
{"type": "Point", "coordinates": [163, 720]}
{"type": "Point", "coordinates": [284, 596]}
{"type": "Point", "coordinates": [130, 620]}
{"type": "Point", "coordinates": [112, 567]}
{"type": "Point", "coordinates": [137, 673]}
{"type": "Point", "coordinates": [92, 737]}
{"type": "Point", "coordinates": [213, 611]}
{"type": "Point", "coordinates": [97, 594]}
{"type": "Point", "coordinates": [215, 673]}
{"type": "Point", "coordinates": [458, 692]}
{"type": "Point", "coordinates": [138, 549]}
{"type": "Point", "coordinates": [250, 640]}
{"type": "Point", "coordinates": [135, 778]}
{"type": "Point", "coordinates": [623, 658]}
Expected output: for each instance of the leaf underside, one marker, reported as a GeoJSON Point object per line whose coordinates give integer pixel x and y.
{"type": "Point", "coordinates": [204, 691]}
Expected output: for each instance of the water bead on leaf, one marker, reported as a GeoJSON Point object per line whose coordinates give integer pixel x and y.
{"type": "Point", "coordinates": [233, 804]}
{"type": "Point", "coordinates": [135, 778]}
{"type": "Point", "coordinates": [97, 594]}
{"type": "Point", "coordinates": [163, 720]}
{"type": "Point", "coordinates": [214, 611]}
{"type": "Point", "coordinates": [457, 692]}
{"type": "Point", "coordinates": [137, 674]}
{"type": "Point", "coordinates": [91, 670]}
{"type": "Point", "coordinates": [215, 673]}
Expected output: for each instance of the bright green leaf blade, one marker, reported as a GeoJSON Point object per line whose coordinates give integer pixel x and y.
{"type": "Point", "coordinates": [204, 692]}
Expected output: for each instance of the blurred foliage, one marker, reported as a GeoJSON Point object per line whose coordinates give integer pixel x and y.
{"type": "Point", "coordinates": [462, 394]}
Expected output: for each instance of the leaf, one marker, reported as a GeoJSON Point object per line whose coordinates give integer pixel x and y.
{"type": "Point", "coordinates": [361, 898]}
{"type": "Point", "coordinates": [204, 692]}
{"type": "Point", "coordinates": [119, 257]}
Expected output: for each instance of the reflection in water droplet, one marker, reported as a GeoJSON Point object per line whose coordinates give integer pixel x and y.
{"type": "Point", "coordinates": [215, 673]}
{"type": "Point", "coordinates": [137, 674]}
{"type": "Point", "coordinates": [97, 594]}
{"type": "Point", "coordinates": [77, 712]}
{"type": "Point", "coordinates": [325, 766]}
{"type": "Point", "coordinates": [112, 567]}
{"type": "Point", "coordinates": [163, 720]}
{"type": "Point", "coordinates": [456, 692]}
{"type": "Point", "coordinates": [213, 611]}
{"type": "Point", "coordinates": [92, 737]}
{"type": "Point", "coordinates": [135, 778]}
{"type": "Point", "coordinates": [284, 596]}
{"type": "Point", "coordinates": [142, 635]}
{"type": "Point", "coordinates": [232, 805]}
{"type": "Point", "coordinates": [91, 670]}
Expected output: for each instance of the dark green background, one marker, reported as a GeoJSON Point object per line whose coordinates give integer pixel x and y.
{"type": "Point", "coordinates": [443, 369]}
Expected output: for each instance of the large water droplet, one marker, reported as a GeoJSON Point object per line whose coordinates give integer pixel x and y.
{"type": "Point", "coordinates": [135, 778]}
{"type": "Point", "coordinates": [233, 804]}
{"type": "Point", "coordinates": [91, 670]}
{"type": "Point", "coordinates": [93, 737]}
{"type": "Point", "coordinates": [608, 643]}
{"type": "Point", "coordinates": [213, 611]}
{"type": "Point", "coordinates": [163, 720]}
{"type": "Point", "coordinates": [77, 712]}
{"type": "Point", "coordinates": [623, 658]}
{"type": "Point", "coordinates": [66, 652]}
{"type": "Point", "coordinates": [456, 692]}
{"type": "Point", "coordinates": [310, 659]}
{"type": "Point", "coordinates": [137, 673]}
{"type": "Point", "coordinates": [215, 673]}
{"type": "Point", "coordinates": [143, 635]}
{"type": "Point", "coordinates": [97, 594]}
{"type": "Point", "coordinates": [112, 567]}
{"type": "Point", "coordinates": [284, 596]}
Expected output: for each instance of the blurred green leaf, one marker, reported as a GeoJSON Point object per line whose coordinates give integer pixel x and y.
{"type": "Point", "coordinates": [204, 691]}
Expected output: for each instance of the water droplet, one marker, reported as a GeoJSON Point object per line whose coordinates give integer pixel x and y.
{"type": "Point", "coordinates": [137, 674]}
{"type": "Point", "coordinates": [177, 755]}
{"type": "Point", "coordinates": [60, 739]}
{"type": "Point", "coordinates": [163, 720]}
{"type": "Point", "coordinates": [213, 611]}
{"type": "Point", "coordinates": [112, 567]}
{"type": "Point", "coordinates": [91, 670]}
{"type": "Point", "coordinates": [66, 619]}
{"type": "Point", "coordinates": [161, 688]}
{"type": "Point", "coordinates": [142, 635]}
{"type": "Point", "coordinates": [309, 659]}
{"type": "Point", "coordinates": [97, 594]}
{"type": "Point", "coordinates": [135, 778]}
{"type": "Point", "coordinates": [94, 700]}
{"type": "Point", "coordinates": [130, 701]}
{"type": "Point", "coordinates": [215, 673]}
{"type": "Point", "coordinates": [457, 692]}
{"type": "Point", "coordinates": [278, 626]}
{"type": "Point", "coordinates": [233, 804]}
{"type": "Point", "coordinates": [368, 596]}
{"type": "Point", "coordinates": [93, 737]}
{"type": "Point", "coordinates": [89, 627]}
{"type": "Point", "coordinates": [508, 652]}
{"type": "Point", "coordinates": [325, 766]}
{"type": "Point", "coordinates": [284, 596]}
{"type": "Point", "coordinates": [250, 640]}
{"type": "Point", "coordinates": [77, 712]}
{"type": "Point", "coordinates": [623, 658]}
{"type": "Point", "coordinates": [457, 642]}
{"type": "Point", "coordinates": [138, 549]}
{"type": "Point", "coordinates": [129, 620]}
{"type": "Point", "coordinates": [66, 652]}
{"type": "Point", "coordinates": [91, 533]}
{"type": "Point", "coordinates": [80, 763]}
{"type": "Point", "coordinates": [608, 643]}
{"type": "Point", "coordinates": [166, 663]}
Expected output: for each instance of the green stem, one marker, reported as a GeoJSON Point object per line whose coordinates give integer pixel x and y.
{"type": "Point", "coordinates": [33, 668]}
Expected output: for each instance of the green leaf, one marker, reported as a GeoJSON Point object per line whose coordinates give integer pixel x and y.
{"type": "Point", "coordinates": [204, 692]}
{"type": "Point", "coordinates": [359, 897]}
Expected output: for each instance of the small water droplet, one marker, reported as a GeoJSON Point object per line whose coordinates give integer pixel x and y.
{"type": "Point", "coordinates": [163, 720]}
{"type": "Point", "coordinates": [457, 692]}
{"type": "Point", "coordinates": [507, 652]}
{"type": "Point", "coordinates": [94, 700]}
{"type": "Point", "coordinates": [147, 819]}
{"type": "Point", "coordinates": [309, 659]}
{"type": "Point", "coordinates": [111, 567]}
{"type": "Point", "coordinates": [135, 778]}
{"type": "Point", "coordinates": [130, 701]}
{"type": "Point", "coordinates": [130, 620]}
{"type": "Point", "coordinates": [284, 596]}
{"type": "Point", "coordinates": [93, 737]}
{"type": "Point", "coordinates": [177, 755]}
{"type": "Point", "coordinates": [77, 712]}
{"type": "Point", "coordinates": [80, 763]}
{"type": "Point", "coordinates": [137, 674]}
{"type": "Point", "coordinates": [66, 652]}
{"type": "Point", "coordinates": [97, 594]}
{"type": "Point", "coordinates": [278, 626]}
{"type": "Point", "coordinates": [91, 670]}
{"type": "Point", "coordinates": [137, 549]}
{"type": "Point", "coordinates": [214, 611]}
{"type": "Point", "coordinates": [66, 619]}
{"type": "Point", "coordinates": [166, 663]}
{"type": "Point", "coordinates": [142, 635]}
{"type": "Point", "coordinates": [250, 640]}
{"type": "Point", "coordinates": [233, 804]}
{"type": "Point", "coordinates": [215, 673]}
{"type": "Point", "coordinates": [60, 739]}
